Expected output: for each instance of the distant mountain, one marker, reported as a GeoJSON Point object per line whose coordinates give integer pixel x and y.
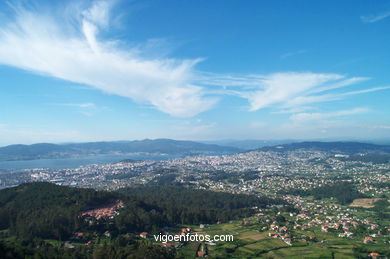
{"type": "Point", "coordinates": [162, 146]}
{"type": "Point", "coordinates": [249, 144]}
{"type": "Point", "coordinates": [334, 147]}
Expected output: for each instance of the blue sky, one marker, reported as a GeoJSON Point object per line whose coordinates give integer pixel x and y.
{"type": "Point", "coordinates": [202, 70]}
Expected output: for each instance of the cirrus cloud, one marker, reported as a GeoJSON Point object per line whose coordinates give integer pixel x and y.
{"type": "Point", "coordinates": [72, 46]}
{"type": "Point", "coordinates": [287, 91]}
{"type": "Point", "coordinates": [44, 44]}
{"type": "Point", "coordinates": [303, 117]}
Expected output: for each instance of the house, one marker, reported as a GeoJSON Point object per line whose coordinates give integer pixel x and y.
{"type": "Point", "coordinates": [143, 234]}
{"type": "Point", "coordinates": [274, 227]}
{"type": "Point", "coordinates": [78, 235]}
{"type": "Point", "coordinates": [273, 235]}
{"type": "Point", "coordinates": [324, 228]}
{"type": "Point", "coordinates": [283, 229]}
{"type": "Point", "coordinates": [368, 240]}
{"type": "Point", "coordinates": [374, 255]}
{"type": "Point", "coordinates": [201, 254]}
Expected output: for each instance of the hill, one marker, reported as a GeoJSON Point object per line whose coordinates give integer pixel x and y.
{"type": "Point", "coordinates": [46, 210]}
{"type": "Point", "coordinates": [333, 147]}
{"type": "Point", "coordinates": [249, 144]}
{"type": "Point", "coordinates": [162, 146]}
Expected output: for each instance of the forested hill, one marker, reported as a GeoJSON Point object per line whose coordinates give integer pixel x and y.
{"type": "Point", "coordinates": [334, 147]}
{"type": "Point", "coordinates": [45, 210]}
{"type": "Point", "coordinates": [163, 146]}
{"type": "Point", "coordinates": [190, 206]}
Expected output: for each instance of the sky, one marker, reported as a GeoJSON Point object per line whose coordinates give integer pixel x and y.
{"type": "Point", "coordinates": [77, 71]}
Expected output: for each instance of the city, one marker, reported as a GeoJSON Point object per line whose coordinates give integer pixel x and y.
{"type": "Point", "coordinates": [194, 129]}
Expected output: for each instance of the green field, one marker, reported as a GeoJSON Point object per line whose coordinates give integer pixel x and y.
{"type": "Point", "coordinates": [249, 243]}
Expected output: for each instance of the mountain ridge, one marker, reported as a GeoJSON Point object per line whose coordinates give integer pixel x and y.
{"type": "Point", "coordinates": [347, 147]}
{"type": "Point", "coordinates": [163, 146]}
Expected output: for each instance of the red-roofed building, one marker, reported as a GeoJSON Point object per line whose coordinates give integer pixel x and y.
{"type": "Point", "coordinates": [324, 228]}
{"type": "Point", "coordinates": [368, 240]}
{"type": "Point", "coordinates": [374, 255]}
{"type": "Point", "coordinates": [201, 254]}
{"type": "Point", "coordinates": [143, 234]}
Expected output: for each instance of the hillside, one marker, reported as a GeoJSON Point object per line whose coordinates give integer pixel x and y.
{"type": "Point", "coordinates": [46, 210]}
{"type": "Point", "coordinates": [249, 144]}
{"type": "Point", "coordinates": [162, 146]}
{"type": "Point", "coordinates": [333, 147]}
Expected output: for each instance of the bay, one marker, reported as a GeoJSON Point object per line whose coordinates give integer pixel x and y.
{"type": "Point", "coordinates": [77, 162]}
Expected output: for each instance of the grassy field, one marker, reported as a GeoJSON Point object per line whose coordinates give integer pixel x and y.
{"type": "Point", "coordinates": [365, 203]}
{"type": "Point", "coordinates": [251, 243]}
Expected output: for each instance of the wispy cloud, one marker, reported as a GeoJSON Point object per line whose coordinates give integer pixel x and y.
{"type": "Point", "coordinates": [43, 43]}
{"type": "Point", "coordinates": [76, 49]}
{"type": "Point", "coordinates": [374, 89]}
{"type": "Point", "coordinates": [293, 53]}
{"type": "Point", "coordinates": [374, 18]}
{"type": "Point", "coordinates": [287, 91]}
{"type": "Point", "coordinates": [281, 87]}
{"type": "Point", "coordinates": [342, 83]}
{"type": "Point", "coordinates": [303, 117]}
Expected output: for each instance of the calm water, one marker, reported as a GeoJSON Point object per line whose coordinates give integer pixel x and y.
{"type": "Point", "coordinates": [76, 162]}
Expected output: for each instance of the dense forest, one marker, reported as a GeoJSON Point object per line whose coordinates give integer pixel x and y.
{"type": "Point", "coordinates": [47, 210]}
{"type": "Point", "coordinates": [188, 206]}
{"type": "Point", "coordinates": [121, 247]}
{"type": "Point", "coordinates": [33, 212]}
{"type": "Point", "coordinates": [344, 192]}
{"type": "Point", "coordinates": [44, 210]}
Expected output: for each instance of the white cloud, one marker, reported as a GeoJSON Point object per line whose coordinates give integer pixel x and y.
{"type": "Point", "coordinates": [57, 46]}
{"type": "Point", "coordinates": [343, 83]}
{"type": "Point", "coordinates": [374, 89]}
{"type": "Point", "coordinates": [374, 18]}
{"type": "Point", "coordinates": [98, 13]}
{"type": "Point", "coordinates": [286, 91]}
{"type": "Point", "coordinates": [43, 44]}
{"type": "Point", "coordinates": [281, 87]}
{"type": "Point", "coordinates": [302, 117]}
